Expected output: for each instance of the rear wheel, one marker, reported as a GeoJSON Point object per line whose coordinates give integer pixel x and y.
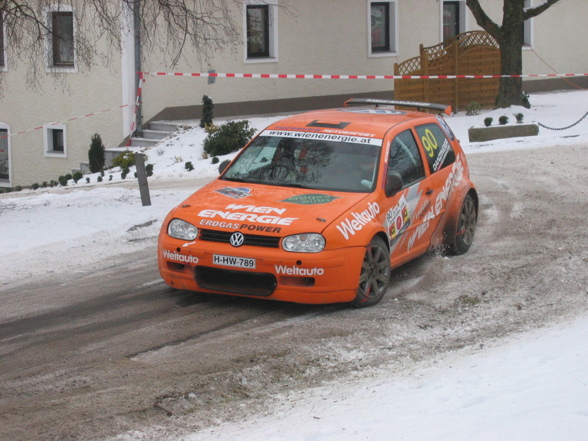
{"type": "Point", "coordinates": [375, 274]}
{"type": "Point", "coordinates": [466, 227]}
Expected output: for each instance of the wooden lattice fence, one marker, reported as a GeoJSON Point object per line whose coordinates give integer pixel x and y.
{"type": "Point", "coordinates": [470, 53]}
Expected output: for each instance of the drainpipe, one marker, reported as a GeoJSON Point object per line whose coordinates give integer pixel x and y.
{"type": "Point", "coordinates": [137, 34]}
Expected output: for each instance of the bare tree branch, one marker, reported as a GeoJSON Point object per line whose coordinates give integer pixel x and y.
{"type": "Point", "coordinates": [483, 20]}
{"type": "Point", "coordinates": [533, 12]}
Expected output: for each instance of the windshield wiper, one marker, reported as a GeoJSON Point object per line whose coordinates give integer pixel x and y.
{"type": "Point", "coordinates": [291, 184]}
{"type": "Point", "coordinates": [247, 181]}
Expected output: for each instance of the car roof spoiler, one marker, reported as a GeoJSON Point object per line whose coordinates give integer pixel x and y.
{"type": "Point", "coordinates": [378, 102]}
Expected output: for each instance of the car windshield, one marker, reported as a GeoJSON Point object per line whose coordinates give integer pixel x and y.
{"type": "Point", "coordinates": [308, 163]}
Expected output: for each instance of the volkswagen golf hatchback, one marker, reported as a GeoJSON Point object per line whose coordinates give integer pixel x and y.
{"type": "Point", "coordinates": [320, 207]}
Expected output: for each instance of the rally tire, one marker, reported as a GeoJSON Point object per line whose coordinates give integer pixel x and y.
{"type": "Point", "coordinates": [374, 275]}
{"type": "Point", "coordinates": [466, 227]}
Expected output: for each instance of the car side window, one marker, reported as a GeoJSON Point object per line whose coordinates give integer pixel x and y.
{"type": "Point", "coordinates": [405, 159]}
{"type": "Point", "coordinates": [438, 149]}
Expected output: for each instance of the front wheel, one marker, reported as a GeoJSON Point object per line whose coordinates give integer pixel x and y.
{"type": "Point", "coordinates": [375, 274]}
{"type": "Point", "coordinates": [466, 227]}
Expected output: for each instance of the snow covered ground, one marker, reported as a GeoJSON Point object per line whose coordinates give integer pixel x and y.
{"type": "Point", "coordinates": [531, 387]}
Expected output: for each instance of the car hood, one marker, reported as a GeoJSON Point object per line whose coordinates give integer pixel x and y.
{"type": "Point", "coordinates": [263, 208]}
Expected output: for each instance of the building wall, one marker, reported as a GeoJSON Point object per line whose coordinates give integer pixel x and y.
{"type": "Point", "coordinates": [315, 37]}
{"type": "Point", "coordinates": [58, 98]}
{"type": "Point", "coordinates": [559, 38]}
{"type": "Point", "coordinates": [331, 37]}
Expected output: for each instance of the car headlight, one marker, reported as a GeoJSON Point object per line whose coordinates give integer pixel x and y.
{"type": "Point", "coordinates": [304, 243]}
{"type": "Point", "coordinates": [179, 229]}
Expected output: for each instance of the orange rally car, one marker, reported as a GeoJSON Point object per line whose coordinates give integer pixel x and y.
{"type": "Point", "coordinates": [321, 206]}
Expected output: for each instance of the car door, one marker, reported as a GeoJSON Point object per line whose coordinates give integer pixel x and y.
{"type": "Point", "coordinates": [439, 157]}
{"type": "Point", "coordinates": [406, 161]}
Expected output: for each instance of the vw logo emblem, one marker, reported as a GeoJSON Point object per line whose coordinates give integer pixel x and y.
{"type": "Point", "coordinates": [237, 239]}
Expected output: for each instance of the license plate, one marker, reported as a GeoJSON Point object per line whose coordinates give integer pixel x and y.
{"type": "Point", "coordinates": [237, 262]}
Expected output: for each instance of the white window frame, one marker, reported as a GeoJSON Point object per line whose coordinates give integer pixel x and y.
{"type": "Point", "coordinates": [393, 20]}
{"type": "Point", "coordinates": [463, 17]}
{"type": "Point", "coordinates": [528, 28]}
{"type": "Point", "coordinates": [7, 182]}
{"type": "Point", "coordinates": [273, 31]}
{"type": "Point", "coordinates": [49, 66]}
{"type": "Point", "coordinates": [48, 140]}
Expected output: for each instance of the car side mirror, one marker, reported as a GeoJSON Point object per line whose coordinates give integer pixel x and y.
{"type": "Point", "coordinates": [393, 183]}
{"type": "Point", "coordinates": [223, 165]}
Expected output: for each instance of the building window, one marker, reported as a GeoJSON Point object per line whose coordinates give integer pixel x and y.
{"type": "Point", "coordinates": [61, 52]}
{"type": "Point", "coordinates": [453, 19]}
{"type": "Point", "coordinates": [258, 31]}
{"type": "Point", "coordinates": [260, 26]}
{"type": "Point", "coordinates": [382, 27]}
{"type": "Point", "coordinates": [55, 140]}
{"type": "Point", "coordinates": [4, 156]}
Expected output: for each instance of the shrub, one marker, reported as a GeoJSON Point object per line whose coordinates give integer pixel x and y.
{"type": "Point", "coordinates": [96, 154]}
{"type": "Point", "coordinates": [207, 107]}
{"type": "Point", "coordinates": [124, 173]}
{"type": "Point", "coordinates": [68, 176]}
{"type": "Point", "coordinates": [488, 121]}
{"type": "Point", "coordinates": [214, 160]}
{"type": "Point", "coordinates": [473, 108]}
{"type": "Point", "coordinates": [188, 166]}
{"type": "Point", "coordinates": [526, 102]}
{"type": "Point", "coordinates": [124, 160]}
{"type": "Point", "coordinates": [519, 117]}
{"type": "Point", "coordinates": [62, 181]}
{"type": "Point", "coordinates": [229, 138]}
{"type": "Point", "coordinates": [44, 184]}
{"type": "Point", "coordinates": [53, 183]}
{"type": "Point", "coordinates": [87, 180]}
{"type": "Point", "coordinates": [99, 179]}
{"type": "Point", "coordinates": [77, 176]}
{"type": "Point", "coordinates": [35, 186]}
{"type": "Point", "coordinates": [149, 170]}
{"type": "Point", "coordinates": [503, 120]}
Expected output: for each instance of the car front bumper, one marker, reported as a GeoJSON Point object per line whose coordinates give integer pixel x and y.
{"type": "Point", "coordinates": [327, 277]}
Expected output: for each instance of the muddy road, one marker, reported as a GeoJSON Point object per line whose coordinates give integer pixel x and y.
{"type": "Point", "coordinates": [114, 350]}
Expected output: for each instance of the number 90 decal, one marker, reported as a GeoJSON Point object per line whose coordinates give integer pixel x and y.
{"type": "Point", "coordinates": [429, 142]}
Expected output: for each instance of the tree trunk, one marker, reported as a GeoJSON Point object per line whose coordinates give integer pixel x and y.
{"type": "Point", "coordinates": [510, 91]}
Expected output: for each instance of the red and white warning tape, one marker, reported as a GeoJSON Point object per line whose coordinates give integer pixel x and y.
{"type": "Point", "coordinates": [354, 77]}
{"type": "Point", "coordinates": [294, 76]}
{"type": "Point", "coordinates": [65, 121]}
